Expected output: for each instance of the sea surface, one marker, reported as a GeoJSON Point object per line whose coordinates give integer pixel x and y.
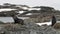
{"type": "Point", "coordinates": [6, 19]}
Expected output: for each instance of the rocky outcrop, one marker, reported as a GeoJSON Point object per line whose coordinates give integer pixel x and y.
{"type": "Point", "coordinates": [28, 28]}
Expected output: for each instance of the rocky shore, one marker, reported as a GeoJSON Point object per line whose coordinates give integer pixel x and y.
{"type": "Point", "coordinates": [28, 28]}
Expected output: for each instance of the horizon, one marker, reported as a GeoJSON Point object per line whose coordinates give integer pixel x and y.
{"type": "Point", "coordinates": [51, 3]}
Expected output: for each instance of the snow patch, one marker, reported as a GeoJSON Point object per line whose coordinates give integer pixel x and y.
{"type": "Point", "coordinates": [48, 23]}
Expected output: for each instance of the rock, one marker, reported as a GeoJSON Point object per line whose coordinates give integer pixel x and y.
{"type": "Point", "coordinates": [29, 28]}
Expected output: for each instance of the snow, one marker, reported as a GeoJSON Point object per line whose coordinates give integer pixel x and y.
{"type": "Point", "coordinates": [25, 8]}
{"type": "Point", "coordinates": [33, 9]}
{"type": "Point", "coordinates": [29, 14]}
{"type": "Point", "coordinates": [21, 12]}
{"type": "Point", "coordinates": [48, 23]}
{"type": "Point", "coordinates": [6, 9]}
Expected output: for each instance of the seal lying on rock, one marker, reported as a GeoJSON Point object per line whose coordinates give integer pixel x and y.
{"type": "Point", "coordinates": [17, 20]}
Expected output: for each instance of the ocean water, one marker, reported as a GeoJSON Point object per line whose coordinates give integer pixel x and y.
{"type": "Point", "coordinates": [6, 19]}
